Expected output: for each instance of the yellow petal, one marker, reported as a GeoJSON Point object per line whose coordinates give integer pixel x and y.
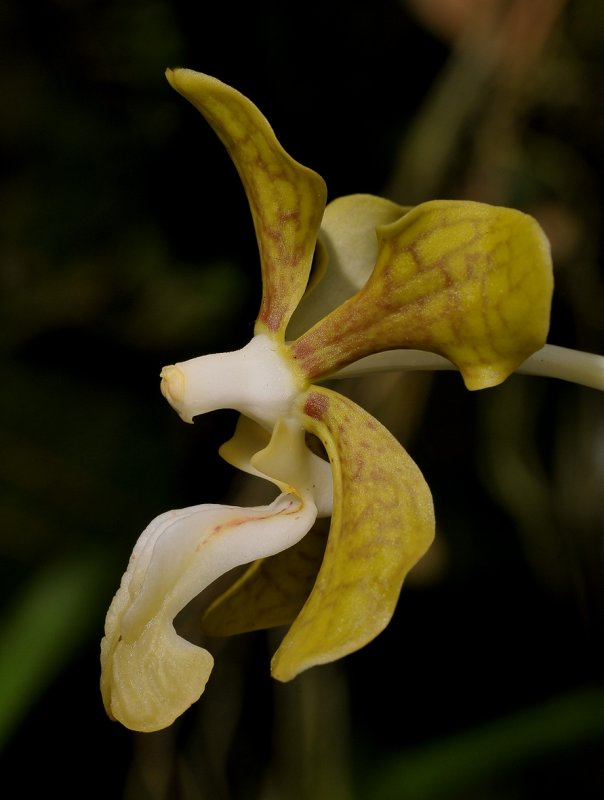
{"type": "Point", "coordinates": [349, 247]}
{"type": "Point", "coordinates": [248, 439]}
{"type": "Point", "coordinates": [383, 522]}
{"type": "Point", "coordinates": [286, 199]}
{"type": "Point", "coordinates": [468, 281]}
{"type": "Point", "coordinates": [281, 457]}
{"type": "Point", "coordinates": [271, 592]}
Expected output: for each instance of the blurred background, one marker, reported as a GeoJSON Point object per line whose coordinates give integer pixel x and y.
{"type": "Point", "coordinates": [126, 244]}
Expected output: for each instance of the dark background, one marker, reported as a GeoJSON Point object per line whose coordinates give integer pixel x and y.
{"type": "Point", "coordinates": [126, 243]}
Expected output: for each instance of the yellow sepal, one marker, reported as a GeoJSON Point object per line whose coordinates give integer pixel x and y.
{"type": "Point", "coordinates": [346, 254]}
{"type": "Point", "coordinates": [286, 199]}
{"type": "Point", "coordinates": [382, 523]}
{"type": "Point", "coordinates": [469, 281]}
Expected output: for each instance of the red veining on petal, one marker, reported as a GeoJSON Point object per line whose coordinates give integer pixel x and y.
{"type": "Point", "coordinates": [465, 280]}
{"type": "Point", "coordinates": [286, 199]}
{"type": "Point", "coordinates": [316, 405]}
{"type": "Point", "coordinates": [235, 522]}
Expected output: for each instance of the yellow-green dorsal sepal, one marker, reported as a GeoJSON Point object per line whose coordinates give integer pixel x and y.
{"type": "Point", "coordinates": [382, 523]}
{"type": "Point", "coordinates": [469, 281]}
{"type": "Point", "coordinates": [286, 199]}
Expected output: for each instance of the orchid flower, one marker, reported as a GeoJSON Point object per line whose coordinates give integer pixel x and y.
{"type": "Point", "coordinates": [445, 284]}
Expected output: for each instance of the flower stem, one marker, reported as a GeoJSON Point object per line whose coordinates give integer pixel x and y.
{"type": "Point", "coordinates": [551, 361]}
{"type": "Point", "coordinates": [575, 366]}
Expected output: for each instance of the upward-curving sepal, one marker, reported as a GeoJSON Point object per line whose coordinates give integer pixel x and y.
{"type": "Point", "coordinates": [469, 281]}
{"type": "Point", "coordinates": [286, 199]}
{"type": "Point", "coordinates": [382, 523]}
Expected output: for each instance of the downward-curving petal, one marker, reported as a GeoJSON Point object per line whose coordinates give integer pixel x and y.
{"type": "Point", "coordinates": [286, 199]}
{"type": "Point", "coordinates": [468, 281]}
{"type": "Point", "coordinates": [150, 675]}
{"type": "Point", "coordinates": [383, 522]}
